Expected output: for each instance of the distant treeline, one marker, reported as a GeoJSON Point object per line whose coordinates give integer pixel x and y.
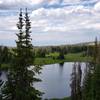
{"type": "Point", "coordinates": [41, 51]}
{"type": "Point", "coordinates": [6, 53]}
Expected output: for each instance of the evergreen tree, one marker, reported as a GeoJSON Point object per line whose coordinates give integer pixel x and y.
{"type": "Point", "coordinates": [0, 56]}
{"type": "Point", "coordinates": [91, 87]}
{"type": "Point", "coordinates": [96, 78]}
{"type": "Point", "coordinates": [97, 82]}
{"type": "Point", "coordinates": [61, 55]}
{"type": "Point", "coordinates": [73, 83]}
{"type": "Point", "coordinates": [87, 81]}
{"type": "Point", "coordinates": [21, 80]}
{"type": "Point", "coordinates": [95, 50]}
{"type": "Point", "coordinates": [9, 90]}
{"type": "Point", "coordinates": [25, 89]}
{"type": "Point", "coordinates": [76, 77]}
{"type": "Point", "coordinates": [79, 78]}
{"type": "Point", "coordinates": [1, 82]}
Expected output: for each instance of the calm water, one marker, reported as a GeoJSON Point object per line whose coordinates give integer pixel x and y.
{"type": "Point", "coordinates": [56, 80]}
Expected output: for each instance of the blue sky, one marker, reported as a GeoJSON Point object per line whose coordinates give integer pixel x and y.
{"type": "Point", "coordinates": [54, 22]}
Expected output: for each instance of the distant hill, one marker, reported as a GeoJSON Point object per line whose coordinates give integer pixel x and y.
{"type": "Point", "coordinates": [77, 44]}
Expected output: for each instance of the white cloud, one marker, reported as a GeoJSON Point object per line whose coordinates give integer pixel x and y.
{"type": "Point", "coordinates": [0, 2]}
{"type": "Point", "coordinates": [55, 29]}
{"type": "Point", "coordinates": [51, 2]}
{"type": "Point", "coordinates": [66, 20]}
{"type": "Point", "coordinates": [56, 25]}
{"type": "Point", "coordinates": [39, 3]}
{"type": "Point", "coordinates": [19, 3]}
{"type": "Point", "coordinates": [8, 23]}
{"type": "Point", "coordinates": [71, 1]}
{"type": "Point", "coordinates": [97, 6]}
{"type": "Point", "coordinates": [62, 19]}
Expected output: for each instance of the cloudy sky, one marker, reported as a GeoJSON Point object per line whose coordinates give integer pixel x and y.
{"type": "Point", "coordinates": [54, 22]}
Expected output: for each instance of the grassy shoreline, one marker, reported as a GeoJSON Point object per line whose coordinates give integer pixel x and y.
{"type": "Point", "coordinates": [66, 98]}
{"type": "Point", "coordinates": [75, 57]}
{"type": "Point", "coordinates": [68, 58]}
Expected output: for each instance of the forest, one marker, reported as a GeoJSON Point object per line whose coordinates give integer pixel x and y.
{"type": "Point", "coordinates": [16, 61]}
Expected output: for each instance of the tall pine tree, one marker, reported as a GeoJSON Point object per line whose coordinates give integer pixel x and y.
{"type": "Point", "coordinates": [79, 78]}
{"type": "Point", "coordinates": [76, 77]}
{"type": "Point", "coordinates": [96, 77]}
{"type": "Point", "coordinates": [73, 83]}
{"type": "Point", "coordinates": [22, 80]}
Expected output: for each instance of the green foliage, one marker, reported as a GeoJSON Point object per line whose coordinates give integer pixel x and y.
{"type": "Point", "coordinates": [73, 83]}
{"type": "Point", "coordinates": [61, 55]}
{"type": "Point", "coordinates": [40, 53]}
{"type": "Point", "coordinates": [76, 82]}
{"type": "Point", "coordinates": [5, 58]}
{"type": "Point", "coordinates": [1, 82]}
{"type": "Point", "coordinates": [20, 79]}
{"type": "Point", "coordinates": [91, 82]}
{"type": "Point", "coordinates": [87, 83]}
{"type": "Point", "coordinates": [97, 82]}
{"type": "Point", "coordinates": [66, 98]}
{"type": "Point", "coordinates": [4, 55]}
{"type": "Point", "coordinates": [54, 55]}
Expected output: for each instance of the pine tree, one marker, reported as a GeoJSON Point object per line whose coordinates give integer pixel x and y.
{"type": "Point", "coordinates": [5, 55]}
{"type": "Point", "coordinates": [87, 81]}
{"type": "Point", "coordinates": [79, 78]}
{"type": "Point", "coordinates": [1, 82]}
{"type": "Point", "coordinates": [9, 90]}
{"type": "Point", "coordinates": [97, 82]}
{"type": "Point", "coordinates": [95, 50]}
{"type": "Point", "coordinates": [25, 89]}
{"type": "Point", "coordinates": [28, 45]}
{"type": "Point", "coordinates": [76, 78]}
{"type": "Point", "coordinates": [21, 80]}
{"type": "Point", "coordinates": [91, 82]}
{"type": "Point", "coordinates": [73, 83]}
{"type": "Point", "coordinates": [96, 77]}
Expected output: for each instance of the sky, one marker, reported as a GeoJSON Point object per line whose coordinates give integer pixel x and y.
{"type": "Point", "coordinates": [54, 22]}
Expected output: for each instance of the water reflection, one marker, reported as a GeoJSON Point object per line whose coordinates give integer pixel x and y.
{"type": "Point", "coordinates": [56, 80]}
{"type": "Point", "coordinates": [61, 66]}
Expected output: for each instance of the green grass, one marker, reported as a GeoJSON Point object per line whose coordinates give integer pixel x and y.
{"type": "Point", "coordinates": [71, 57]}
{"type": "Point", "coordinates": [77, 57]}
{"type": "Point", "coordinates": [53, 58]}
{"type": "Point", "coordinates": [55, 54]}
{"type": "Point", "coordinates": [4, 67]}
{"type": "Point", "coordinates": [44, 61]}
{"type": "Point", "coordinates": [66, 98]}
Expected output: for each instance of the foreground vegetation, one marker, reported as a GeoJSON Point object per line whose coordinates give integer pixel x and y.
{"type": "Point", "coordinates": [66, 98]}
{"type": "Point", "coordinates": [90, 88]}
{"type": "Point", "coordinates": [19, 78]}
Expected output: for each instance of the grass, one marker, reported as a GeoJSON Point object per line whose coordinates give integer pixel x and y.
{"type": "Point", "coordinates": [54, 55]}
{"type": "Point", "coordinates": [44, 61]}
{"type": "Point", "coordinates": [53, 58]}
{"type": "Point", "coordinates": [4, 67]}
{"type": "Point", "coordinates": [71, 57]}
{"type": "Point", "coordinates": [66, 98]}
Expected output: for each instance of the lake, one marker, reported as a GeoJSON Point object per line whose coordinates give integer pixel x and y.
{"type": "Point", "coordinates": [56, 80]}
